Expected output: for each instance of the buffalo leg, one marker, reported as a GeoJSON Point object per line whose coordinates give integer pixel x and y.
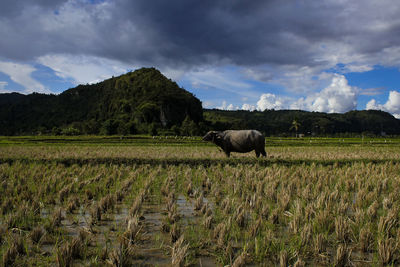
{"type": "Point", "coordinates": [263, 153]}
{"type": "Point", "coordinates": [257, 153]}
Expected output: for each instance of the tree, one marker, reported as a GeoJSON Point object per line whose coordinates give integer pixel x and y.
{"type": "Point", "coordinates": [295, 126]}
{"type": "Point", "coordinates": [175, 129]}
{"type": "Point", "coordinates": [123, 128]}
{"type": "Point", "coordinates": [152, 129]}
{"type": "Point", "coordinates": [91, 127]}
{"type": "Point", "coordinates": [56, 131]}
{"type": "Point", "coordinates": [70, 131]}
{"type": "Point", "coordinates": [188, 127]}
{"type": "Point", "coordinates": [109, 127]}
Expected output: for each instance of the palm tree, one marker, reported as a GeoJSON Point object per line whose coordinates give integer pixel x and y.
{"type": "Point", "coordinates": [295, 126]}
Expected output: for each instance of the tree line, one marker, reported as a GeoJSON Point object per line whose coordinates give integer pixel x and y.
{"type": "Point", "coordinates": [146, 102]}
{"type": "Point", "coordinates": [293, 122]}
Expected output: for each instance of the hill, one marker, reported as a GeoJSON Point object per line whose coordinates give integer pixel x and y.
{"type": "Point", "coordinates": [137, 102]}
{"type": "Point", "coordinates": [146, 102]}
{"type": "Point", "coordinates": [280, 122]}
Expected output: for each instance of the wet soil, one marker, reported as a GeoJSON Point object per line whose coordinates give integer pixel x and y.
{"type": "Point", "coordinates": [154, 247]}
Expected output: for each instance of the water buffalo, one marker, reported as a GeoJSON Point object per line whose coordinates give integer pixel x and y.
{"type": "Point", "coordinates": [241, 141]}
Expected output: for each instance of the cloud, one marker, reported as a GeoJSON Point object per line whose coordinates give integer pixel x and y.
{"type": "Point", "coordinates": [338, 97]}
{"type": "Point", "coordinates": [185, 35]}
{"type": "Point", "coordinates": [222, 80]}
{"type": "Point", "coordinates": [271, 101]}
{"type": "Point", "coordinates": [208, 104]}
{"type": "Point", "coordinates": [13, 8]}
{"type": "Point", "coordinates": [3, 86]}
{"type": "Point", "coordinates": [83, 69]}
{"type": "Point", "coordinates": [392, 105]}
{"type": "Point", "coordinates": [293, 45]}
{"type": "Point", "coordinates": [372, 91]}
{"type": "Point", "coordinates": [294, 79]}
{"type": "Point", "coordinates": [225, 106]}
{"type": "Point", "coordinates": [372, 105]}
{"type": "Point", "coordinates": [22, 74]}
{"type": "Point", "coordinates": [248, 107]}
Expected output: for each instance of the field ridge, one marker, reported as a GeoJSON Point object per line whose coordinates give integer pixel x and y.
{"type": "Point", "coordinates": [195, 162]}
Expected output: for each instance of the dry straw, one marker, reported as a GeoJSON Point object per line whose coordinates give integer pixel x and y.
{"type": "Point", "coordinates": [179, 252]}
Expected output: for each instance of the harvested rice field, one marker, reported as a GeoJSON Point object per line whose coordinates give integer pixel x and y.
{"type": "Point", "coordinates": [68, 202]}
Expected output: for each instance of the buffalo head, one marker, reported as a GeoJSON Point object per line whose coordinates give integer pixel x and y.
{"type": "Point", "coordinates": [211, 136]}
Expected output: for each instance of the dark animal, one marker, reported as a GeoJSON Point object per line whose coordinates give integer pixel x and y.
{"type": "Point", "coordinates": [241, 141]}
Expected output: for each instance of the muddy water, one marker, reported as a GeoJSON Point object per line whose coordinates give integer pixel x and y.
{"type": "Point", "coordinates": [190, 217]}
{"type": "Point", "coordinates": [186, 210]}
{"type": "Point", "coordinates": [154, 249]}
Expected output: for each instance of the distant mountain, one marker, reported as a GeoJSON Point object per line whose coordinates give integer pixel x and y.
{"type": "Point", "coordinates": [137, 102]}
{"type": "Point", "coordinates": [146, 102]}
{"type": "Point", "coordinates": [280, 122]}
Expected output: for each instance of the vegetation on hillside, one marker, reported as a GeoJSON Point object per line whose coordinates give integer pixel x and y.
{"type": "Point", "coordinates": [146, 102]}
{"type": "Point", "coordinates": [143, 101]}
{"type": "Point", "coordinates": [291, 122]}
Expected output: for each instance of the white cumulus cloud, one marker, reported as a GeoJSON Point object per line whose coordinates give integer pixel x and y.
{"type": "Point", "coordinates": [226, 106]}
{"type": "Point", "coordinates": [337, 97]}
{"type": "Point", "coordinates": [271, 101]}
{"type": "Point", "coordinates": [22, 74]}
{"type": "Point", "coordinates": [249, 107]}
{"type": "Point", "coordinates": [392, 105]}
{"type": "Point", "coordinates": [372, 105]}
{"type": "Point", "coordinates": [245, 106]}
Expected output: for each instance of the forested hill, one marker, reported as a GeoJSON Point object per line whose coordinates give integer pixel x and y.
{"type": "Point", "coordinates": [137, 102]}
{"type": "Point", "coordinates": [146, 102]}
{"type": "Point", "coordinates": [285, 122]}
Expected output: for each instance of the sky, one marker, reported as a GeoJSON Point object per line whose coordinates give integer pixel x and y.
{"type": "Point", "coordinates": [326, 56]}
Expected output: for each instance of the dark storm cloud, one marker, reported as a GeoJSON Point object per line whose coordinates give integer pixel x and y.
{"type": "Point", "coordinates": [245, 33]}
{"type": "Point", "coordinates": [191, 33]}
{"type": "Point", "coordinates": [12, 8]}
